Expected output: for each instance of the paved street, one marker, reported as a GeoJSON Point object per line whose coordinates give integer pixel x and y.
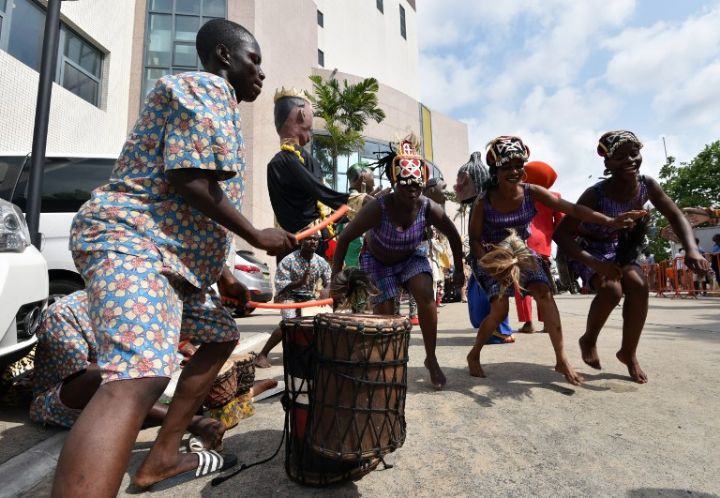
{"type": "Point", "coordinates": [522, 431]}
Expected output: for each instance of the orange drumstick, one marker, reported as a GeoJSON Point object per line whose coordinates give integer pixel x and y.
{"type": "Point", "coordinates": [281, 306]}
{"type": "Point", "coordinates": [339, 212]}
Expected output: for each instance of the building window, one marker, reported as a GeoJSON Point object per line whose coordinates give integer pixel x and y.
{"type": "Point", "coordinates": [403, 32]}
{"type": "Point", "coordinates": [321, 19]}
{"type": "Point", "coordinates": [380, 6]}
{"type": "Point", "coordinates": [321, 58]}
{"type": "Point", "coordinates": [3, 5]}
{"type": "Point", "coordinates": [170, 36]}
{"type": "Point", "coordinates": [79, 65]}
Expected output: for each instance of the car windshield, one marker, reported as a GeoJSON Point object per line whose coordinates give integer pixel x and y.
{"type": "Point", "coordinates": [67, 183]}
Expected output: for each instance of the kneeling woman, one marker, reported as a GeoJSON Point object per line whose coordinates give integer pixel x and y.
{"type": "Point", "coordinates": [510, 204]}
{"type": "Point", "coordinates": [395, 226]}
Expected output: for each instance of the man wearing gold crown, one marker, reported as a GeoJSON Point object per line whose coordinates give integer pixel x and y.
{"type": "Point", "coordinates": [294, 178]}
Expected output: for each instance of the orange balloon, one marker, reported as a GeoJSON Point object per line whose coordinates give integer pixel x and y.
{"type": "Point", "coordinates": [540, 173]}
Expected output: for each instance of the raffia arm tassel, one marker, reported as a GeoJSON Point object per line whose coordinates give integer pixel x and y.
{"type": "Point", "coordinates": [507, 260]}
{"type": "Point", "coordinates": [354, 289]}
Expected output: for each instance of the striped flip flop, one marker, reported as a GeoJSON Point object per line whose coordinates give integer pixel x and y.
{"type": "Point", "coordinates": [210, 461]}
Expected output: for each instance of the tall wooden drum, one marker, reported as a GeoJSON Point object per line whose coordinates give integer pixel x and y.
{"type": "Point", "coordinates": [302, 463]}
{"type": "Point", "coordinates": [360, 384]}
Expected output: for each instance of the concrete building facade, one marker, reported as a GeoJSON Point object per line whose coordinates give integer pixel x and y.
{"type": "Point", "coordinates": [89, 109]}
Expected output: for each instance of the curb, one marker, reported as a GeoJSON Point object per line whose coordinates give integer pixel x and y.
{"type": "Point", "coordinates": [22, 472]}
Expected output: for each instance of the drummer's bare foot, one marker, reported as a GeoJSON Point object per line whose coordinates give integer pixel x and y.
{"type": "Point", "coordinates": [588, 350]}
{"type": "Point", "coordinates": [437, 377]}
{"type": "Point", "coordinates": [150, 473]}
{"type": "Point", "coordinates": [474, 365]}
{"type": "Point", "coordinates": [631, 361]}
{"type": "Point", "coordinates": [262, 361]}
{"type": "Point", "coordinates": [210, 432]}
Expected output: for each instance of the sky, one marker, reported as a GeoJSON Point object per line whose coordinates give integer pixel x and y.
{"type": "Point", "coordinates": [559, 73]}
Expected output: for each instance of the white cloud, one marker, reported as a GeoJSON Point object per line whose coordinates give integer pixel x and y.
{"type": "Point", "coordinates": [663, 54]}
{"type": "Point", "coordinates": [695, 101]}
{"type": "Point", "coordinates": [448, 82]}
{"type": "Point", "coordinates": [521, 68]}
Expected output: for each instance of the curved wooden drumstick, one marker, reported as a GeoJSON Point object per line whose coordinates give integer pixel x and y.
{"type": "Point", "coordinates": [281, 306]}
{"type": "Point", "coordinates": [339, 213]}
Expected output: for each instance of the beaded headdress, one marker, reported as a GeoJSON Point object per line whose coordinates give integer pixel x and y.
{"type": "Point", "coordinates": [503, 149]}
{"type": "Point", "coordinates": [610, 141]}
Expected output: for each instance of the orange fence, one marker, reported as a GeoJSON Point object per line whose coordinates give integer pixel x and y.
{"type": "Point", "coordinates": [672, 278]}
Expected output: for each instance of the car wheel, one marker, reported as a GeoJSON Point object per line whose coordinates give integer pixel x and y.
{"type": "Point", "coordinates": [62, 287]}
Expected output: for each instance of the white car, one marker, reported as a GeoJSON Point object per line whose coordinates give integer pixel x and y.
{"type": "Point", "coordinates": [23, 286]}
{"type": "Point", "coordinates": [67, 184]}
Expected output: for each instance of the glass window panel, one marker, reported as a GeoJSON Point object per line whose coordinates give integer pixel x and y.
{"type": "Point", "coordinates": [151, 77]}
{"type": "Point", "coordinates": [342, 184]}
{"type": "Point", "coordinates": [80, 84]}
{"type": "Point", "coordinates": [82, 53]}
{"type": "Point", "coordinates": [25, 40]}
{"type": "Point", "coordinates": [186, 28]}
{"type": "Point", "coordinates": [187, 6]}
{"type": "Point", "coordinates": [2, 5]}
{"type": "Point", "coordinates": [215, 8]}
{"type": "Point", "coordinates": [161, 5]}
{"type": "Point", "coordinates": [159, 40]}
{"type": "Point", "coordinates": [185, 55]}
{"type": "Point", "coordinates": [1, 26]}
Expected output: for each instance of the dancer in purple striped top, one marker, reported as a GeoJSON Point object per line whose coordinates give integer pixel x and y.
{"type": "Point", "coordinates": [395, 226]}
{"type": "Point", "coordinates": [509, 204]}
{"type": "Point", "coordinates": [607, 258]}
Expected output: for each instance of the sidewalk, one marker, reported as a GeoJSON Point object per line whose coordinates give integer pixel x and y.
{"type": "Point", "coordinates": [523, 431]}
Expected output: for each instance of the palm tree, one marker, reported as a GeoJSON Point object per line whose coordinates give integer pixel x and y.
{"type": "Point", "coordinates": [346, 111]}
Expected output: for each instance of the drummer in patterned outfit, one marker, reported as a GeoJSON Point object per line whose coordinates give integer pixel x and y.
{"type": "Point", "coordinates": [510, 204]}
{"type": "Point", "coordinates": [606, 257]}
{"type": "Point", "coordinates": [149, 244]}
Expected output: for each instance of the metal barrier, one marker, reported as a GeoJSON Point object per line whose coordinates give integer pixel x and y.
{"type": "Point", "coordinates": [672, 278]}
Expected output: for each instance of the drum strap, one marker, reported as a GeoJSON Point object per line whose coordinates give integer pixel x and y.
{"type": "Point", "coordinates": [221, 479]}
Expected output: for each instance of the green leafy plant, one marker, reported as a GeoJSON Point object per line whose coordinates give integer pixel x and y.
{"type": "Point", "coordinates": [346, 109]}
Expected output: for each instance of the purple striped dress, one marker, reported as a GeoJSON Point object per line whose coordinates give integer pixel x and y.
{"type": "Point", "coordinates": [390, 279]}
{"type": "Point", "coordinates": [495, 229]}
{"type": "Point", "coordinates": [605, 243]}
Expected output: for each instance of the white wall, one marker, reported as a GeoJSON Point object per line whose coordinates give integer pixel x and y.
{"type": "Point", "coordinates": [76, 126]}
{"type": "Point", "coordinates": [359, 39]}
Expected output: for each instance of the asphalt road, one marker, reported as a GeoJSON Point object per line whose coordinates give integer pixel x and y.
{"type": "Point", "coordinates": [522, 431]}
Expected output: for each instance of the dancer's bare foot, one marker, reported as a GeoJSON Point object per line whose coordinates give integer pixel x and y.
{"type": "Point", "coordinates": [527, 328]}
{"type": "Point", "coordinates": [474, 365]}
{"type": "Point", "coordinates": [589, 353]}
{"type": "Point", "coordinates": [568, 371]}
{"type": "Point", "coordinates": [437, 377]}
{"type": "Point", "coordinates": [150, 473]}
{"type": "Point", "coordinates": [262, 361]}
{"type": "Point", "coordinates": [209, 431]}
{"type": "Point", "coordinates": [631, 361]}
